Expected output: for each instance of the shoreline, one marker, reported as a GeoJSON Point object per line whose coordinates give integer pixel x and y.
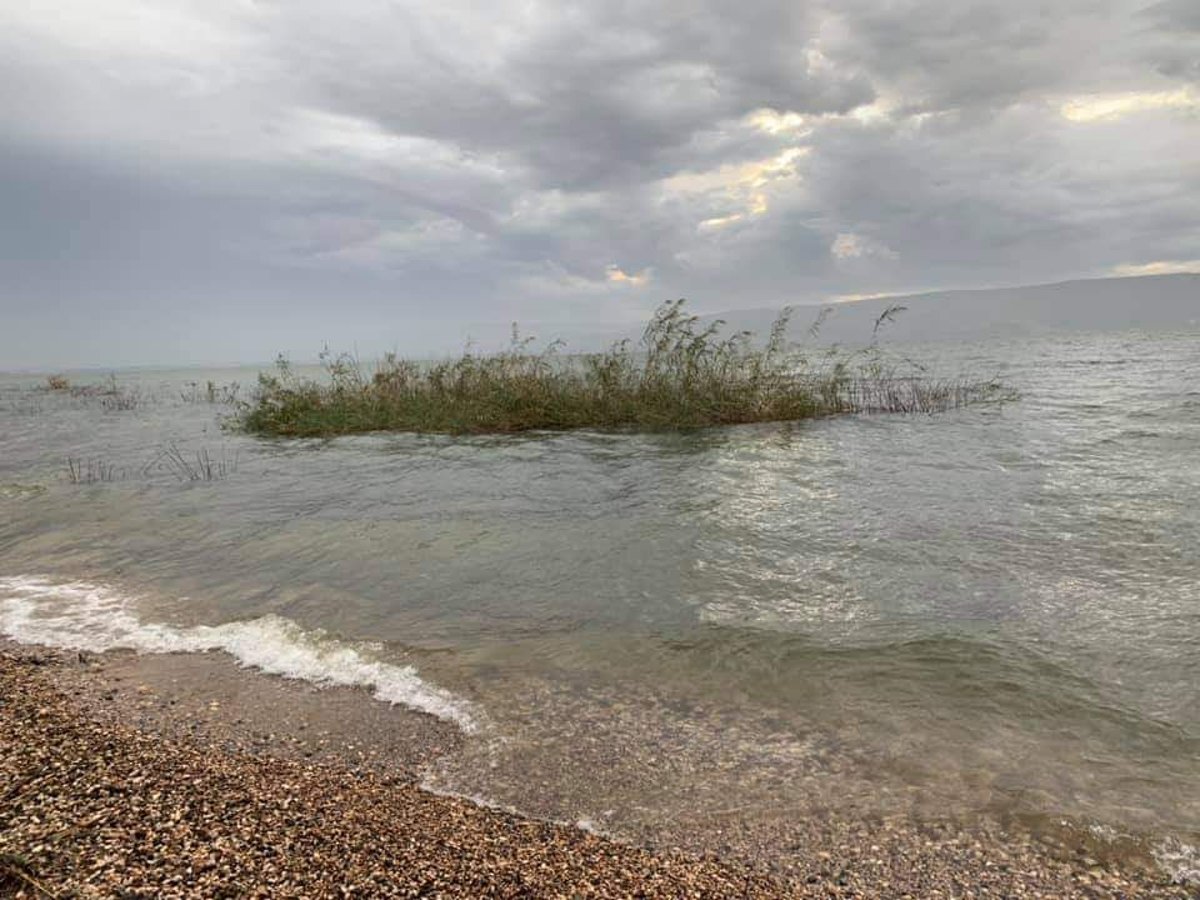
{"type": "Point", "coordinates": [186, 775]}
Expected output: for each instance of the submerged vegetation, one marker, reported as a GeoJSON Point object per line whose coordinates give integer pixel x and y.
{"type": "Point", "coordinates": [682, 374]}
{"type": "Point", "coordinates": [111, 395]}
{"type": "Point", "coordinates": [211, 392]}
{"type": "Point", "coordinates": [90, 471]}
{"type": "Point", "coordinates": [201, 465]}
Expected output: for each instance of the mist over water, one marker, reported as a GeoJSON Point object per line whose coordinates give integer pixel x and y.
{"type": "Point", "coordinates": [990, 612]}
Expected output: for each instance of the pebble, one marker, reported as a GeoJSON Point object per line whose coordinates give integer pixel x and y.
{"type": "Point", "coordinates": [94, 807]}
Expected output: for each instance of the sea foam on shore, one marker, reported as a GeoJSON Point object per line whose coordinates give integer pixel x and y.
{"type": "Point", "coordinates": [85, 616]}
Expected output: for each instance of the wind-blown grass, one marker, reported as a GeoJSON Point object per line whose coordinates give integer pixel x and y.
{"type": "Point", "coordinates": [681, 375]}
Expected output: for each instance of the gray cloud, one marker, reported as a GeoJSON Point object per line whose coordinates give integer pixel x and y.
{"type": "Point", "coordinates": [1173, 15]}
{"type": "Point", "coordinates": [241, 177]}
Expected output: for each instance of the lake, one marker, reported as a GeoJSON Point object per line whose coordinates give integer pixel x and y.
{"type": "Point", "coordinates": [986, 614]}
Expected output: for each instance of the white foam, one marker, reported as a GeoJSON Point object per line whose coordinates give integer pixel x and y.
{"type": "Point", "coordinates": [82, 616]}
{"type": "Point", "coordinates": [1179, 860]}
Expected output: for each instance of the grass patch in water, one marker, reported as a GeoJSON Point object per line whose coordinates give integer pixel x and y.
{"type": "Point", "coordinates": [211, 393]}
{"type": "Point", "coordinates": [90, 471]}
{"type": "Point", "coordinates": [681, 375]}
{"type": "Point", "coordinates": [200, 466]}
{"type": "Point", "coordinates": [111, 395]}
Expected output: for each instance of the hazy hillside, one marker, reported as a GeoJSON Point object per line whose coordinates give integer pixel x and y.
{"type": "Point", "coordinates": [1160, 301]}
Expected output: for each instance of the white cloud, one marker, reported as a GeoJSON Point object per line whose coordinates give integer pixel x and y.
{"type": "Point", "coordinates": [848, 245]}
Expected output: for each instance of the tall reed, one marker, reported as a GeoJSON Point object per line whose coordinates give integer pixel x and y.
{"type": "Point", "coordinates": [682, 374]}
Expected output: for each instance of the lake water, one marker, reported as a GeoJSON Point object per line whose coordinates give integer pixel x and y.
{"type": "Point", "coordinates": [991, 613]}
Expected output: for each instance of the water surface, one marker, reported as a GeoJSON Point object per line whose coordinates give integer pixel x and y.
{"type": "Point", "coordinates": [993, 612]}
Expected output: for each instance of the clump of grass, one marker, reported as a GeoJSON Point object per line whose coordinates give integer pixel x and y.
{"type": "Point", "coordinates": [121, 400]}
{"type": "Point", "coordinates": [111, 395]}
{"type": "Point", "coordinates": [90, 471]}
{"type": "Point", "coordinates": [116, 397]}
{"type": "Point", "coordinates": [681, 375]}
{"type": "Point", "coordinates": [211, 392]}
{"type": "Point", "coordinates": [200, 466]}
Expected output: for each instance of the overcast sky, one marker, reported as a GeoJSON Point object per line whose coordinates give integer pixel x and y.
{"type": "Point", "coordinates": [219, 180]}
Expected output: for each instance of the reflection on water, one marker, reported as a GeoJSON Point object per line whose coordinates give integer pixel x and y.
{"type": "Point", "coordinates": [989, 612]}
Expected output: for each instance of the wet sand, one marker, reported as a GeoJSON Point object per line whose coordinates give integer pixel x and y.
{"type": "Point", "coordinates": [183, 775]}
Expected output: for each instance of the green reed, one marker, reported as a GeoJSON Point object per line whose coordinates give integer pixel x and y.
{"type": "Point", "coordinates": [681, 375]}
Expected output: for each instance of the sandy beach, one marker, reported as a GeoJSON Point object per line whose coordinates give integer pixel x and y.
{"type": "Point", "coordinates": [173, 776]}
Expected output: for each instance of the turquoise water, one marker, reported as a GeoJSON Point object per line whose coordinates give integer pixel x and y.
{"type": "Point", "coordinates": [993, 612]}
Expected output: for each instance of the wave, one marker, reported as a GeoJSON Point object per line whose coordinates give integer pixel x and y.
{"type": "Point", "coordinates": [83, 616]}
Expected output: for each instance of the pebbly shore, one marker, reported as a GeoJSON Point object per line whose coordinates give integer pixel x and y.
{"type": "Point", "coordinates": [162, 786]}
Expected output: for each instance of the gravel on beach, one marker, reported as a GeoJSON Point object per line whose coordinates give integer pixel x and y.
{"type": "Point", "coordinates": [93, 806]}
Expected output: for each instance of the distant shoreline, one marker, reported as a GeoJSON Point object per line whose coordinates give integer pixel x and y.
{"type": "Point", "coordinates": [1043, 310]}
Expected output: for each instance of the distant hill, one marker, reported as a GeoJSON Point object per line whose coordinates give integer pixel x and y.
{"type": "Point", "coordinates": [1103, 304]}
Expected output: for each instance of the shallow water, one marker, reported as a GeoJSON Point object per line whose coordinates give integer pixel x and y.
{"type": "Point", "coordinates": [990, 613]}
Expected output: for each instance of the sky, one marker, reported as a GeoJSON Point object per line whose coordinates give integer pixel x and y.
{"type": "Point", "coordinates": [221, 180]}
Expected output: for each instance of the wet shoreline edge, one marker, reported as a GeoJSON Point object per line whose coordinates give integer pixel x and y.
{"type": "Point", "coordinates": [159, 715]}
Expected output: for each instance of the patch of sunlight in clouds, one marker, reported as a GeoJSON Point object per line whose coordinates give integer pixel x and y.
{"type": "Point", "coordinates": [617, 275]}
{"type": "Point", "coordinates": [872, 113]}
{"type": "Point", "coordinates": [718, 222]}
{"type": "Point", "coordinates": [743, 189]}
{"type": "Point", "coordinates": [1159, 267]}
{"type": "Point", "coordinates": [1108, 107]}
{"type": "Point", "coordinates": [854, 298]}
{"type": "Point", "coordinates": [773, 122]}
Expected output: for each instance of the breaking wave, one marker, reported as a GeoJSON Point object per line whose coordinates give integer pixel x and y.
{"type": "Point", "coordinates": [83, 616]}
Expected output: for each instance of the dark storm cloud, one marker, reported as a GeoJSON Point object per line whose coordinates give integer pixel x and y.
{"type": "Point", "coordinates": [578, 95]}
{"type": "Point", "coordinates": [1172, 15]}
{"type": "Point", "coordinates": [1174, 49]}
{"type": "Point", "coordinates": [404, 172]}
